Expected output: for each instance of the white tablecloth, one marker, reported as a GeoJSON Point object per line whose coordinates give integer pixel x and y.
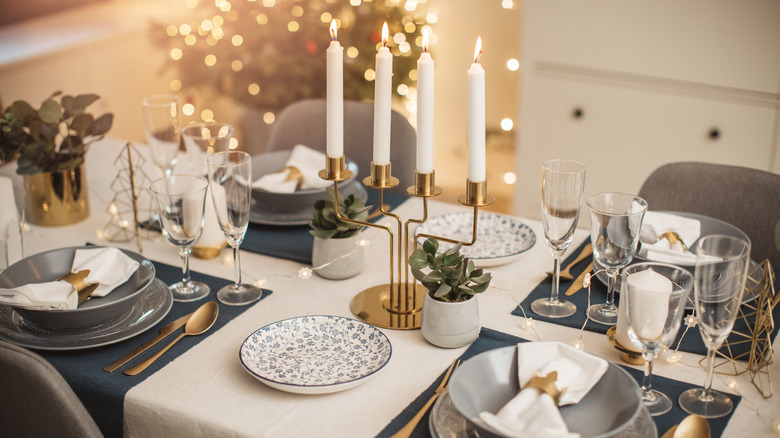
{"type": "Point", "coordinates": [206, 391]}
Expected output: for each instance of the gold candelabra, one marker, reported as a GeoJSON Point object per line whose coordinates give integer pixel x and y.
{"type": "Point", "coordinates": [397, 305]}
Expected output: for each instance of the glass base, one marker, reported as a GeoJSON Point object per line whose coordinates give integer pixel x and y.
{"type": "Point", "coordinates": [553, 309]}
{"type": "Point", "coordinates": [239, 295]}
{"type": "Point", "coordinates": [716, 405]}
{"type": "Point", "coordinates": [603, 314]}
{"type": "Point", "coordinates": [656, 402]}
{"type": "Point", "coordinates": [186, 292]}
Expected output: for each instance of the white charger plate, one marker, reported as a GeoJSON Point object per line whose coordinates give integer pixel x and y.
{"type": "Point", "coordinates": [316, 354]}
{"type": "Point", "coordinates": [501, 239]}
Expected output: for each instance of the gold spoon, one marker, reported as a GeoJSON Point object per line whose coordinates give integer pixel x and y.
{"type": "Point", "coordinates": [200, 321]}
{"type": "Point", "coordinates": [565, 274]}
{"type": "Point", "coordinates": [692, 426]}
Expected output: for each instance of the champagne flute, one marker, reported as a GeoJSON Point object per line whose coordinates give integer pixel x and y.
{"type": "Point", "coordinates": [562, 184]}
{"type": "Point", "coordinates": [721, 269]}
{"type": "Point", "coordinates": [230, 178]}
{"type": "Point", "coordinates": [180, 201]}
{"type": "Point", "coordinates": [655, 295]}
{"type": "Point", "coordinates": [615, 221]}
{"type": "Point", "coordinates": [162, 123]}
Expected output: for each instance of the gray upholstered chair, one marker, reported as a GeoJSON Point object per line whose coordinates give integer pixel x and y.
{"type": "Point", "coordinates": [36, 399]}
{"type": "Point", "coordinates": [304, 123]}
{"type": "Point", "coordinates": [746, 198]}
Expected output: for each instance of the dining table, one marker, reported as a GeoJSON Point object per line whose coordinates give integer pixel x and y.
{"type": "Point", "coordinates": [203, 389]}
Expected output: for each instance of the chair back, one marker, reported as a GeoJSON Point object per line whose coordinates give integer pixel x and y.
{"type": "Point", "coordinates": [304, 122]}
{"type": "Point", "coordinates": [747, 198]}
{"type": "Point", "coordinates": [36, 400]}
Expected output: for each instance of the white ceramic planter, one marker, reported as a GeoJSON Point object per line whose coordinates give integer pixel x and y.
{"type": "Point", "coordinates": [450, 325]}
{"type": "Point", "coordinates": [332, 250]}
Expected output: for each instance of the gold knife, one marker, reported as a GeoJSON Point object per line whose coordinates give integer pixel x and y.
{"type": "Point", "coordinates": [577, 285]}
{"type": "Point", "coordinates": [165, 331]}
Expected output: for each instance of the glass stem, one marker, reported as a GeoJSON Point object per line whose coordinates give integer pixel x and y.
{"type": "Point", "coordinates": [185, 265]}
{"type": "Point", "coordinates": [237, 265]}
{"type": "Point", "coordinates": [611, 283]}
{"type": "Point", "coordinates": [556, 280]}
{"type": "Point", "coordinates": [706, 395]}
{"type": "Point", "coordinates": [646, 385]}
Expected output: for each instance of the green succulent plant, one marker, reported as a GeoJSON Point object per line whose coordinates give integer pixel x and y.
{"type": "Point", "coordinates": [326, 225]}
{"type": "Point", "coordinates": [450, 275]}
{"type": "Point", "coordinates": [55, 136]}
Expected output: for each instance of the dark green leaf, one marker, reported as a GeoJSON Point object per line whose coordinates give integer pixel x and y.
{"type": "Point", "coordinates": [443, 290]}
{"type": "Point", "coordinates": [102, 124]}
{"type": "Point", "coordinates": [82, 101]}
{"type": "Point", "coordinates": [50, 111]}
{"type": "Point", "coordinates": [82, 124]}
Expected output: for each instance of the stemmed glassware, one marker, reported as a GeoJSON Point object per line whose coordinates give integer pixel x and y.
{"type": "Point", "coordinates": [203, 139]}
{"type": "Point", "coordinates": [615, 221]}
{"type": "Point", "coordinates": [562, 185]}
{"type": "Point", "coordinates": [655, 295]}
{"type": "Point", "coordinates": [180, 202]}
{"type": "Point", "coordinates": [230, 178]}
{"type": "Point", "coordinates": [721, 269]}
{"type": "Point", "coordinates": [162, 123]}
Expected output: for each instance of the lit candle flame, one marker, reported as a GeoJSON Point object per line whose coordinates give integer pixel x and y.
{"type": "Point", "coordinates": [333, 28]}
{"type": "Point", "coordinates": [425, 42]}
{"type": "Point", "coordinates": [384, 34]}
{"type": "Point", "coordinates": [478, 50]}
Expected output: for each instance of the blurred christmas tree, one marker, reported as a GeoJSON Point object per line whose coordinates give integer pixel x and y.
{"type": "Point", "coordinates": [270, 53]}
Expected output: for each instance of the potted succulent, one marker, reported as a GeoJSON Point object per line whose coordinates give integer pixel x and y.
{"type": "Point", "coordinates": [49, 144]}
{"type": "Point", "coordinates": [336, 253]}
{"type": "Point", "coordinates": [450, 312]}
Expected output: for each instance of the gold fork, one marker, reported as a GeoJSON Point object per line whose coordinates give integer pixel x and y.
{"type": "Point", "coordinates": [409, 427]}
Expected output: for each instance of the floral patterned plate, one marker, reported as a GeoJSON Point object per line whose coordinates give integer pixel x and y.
{"type": "Point", "coordinates": [500, 238]}
{"type": "Point", "coordinates": [315, 354]}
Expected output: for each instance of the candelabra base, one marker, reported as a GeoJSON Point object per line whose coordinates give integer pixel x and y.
{"type": "Point", "coordinates": [374, 307]}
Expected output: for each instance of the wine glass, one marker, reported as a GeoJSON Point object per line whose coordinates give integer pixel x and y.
{"type": "Point", "coordinates": [180, 201]}
{"type": "Point", "coordinates": [204, 139]}
{"type": "Point", "coordinates": [615, 221]}
{"type": "Point", "coordinates": [721, 269]}
{"type": "Point", "coordinates": [655, 295]}
{"type": "Point", "coordinates": [162, 123]}
{"type": "Point", "coordinates": [562, 185]}
{"type": "Point", "coordinates": [230, 178]}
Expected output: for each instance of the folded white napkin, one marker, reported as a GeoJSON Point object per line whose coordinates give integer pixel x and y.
{"type": "Point", "coordinates": [533, 413]}
{"type": "Point", "coordinates": [109, 267]}
{"type": "Point", "coordinates": [10, 234]}
{"type": "Point", "coordinates": [308, 161]}
{"type": "Point", "coordinates": [655, 224]}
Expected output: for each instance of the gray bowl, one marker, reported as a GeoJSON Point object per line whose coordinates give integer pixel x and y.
{"type": "Point", "coordinates": [52, 265]}
{"type": "Point", "coordinates": [288, 203]}
{"type": "Point", "coordinates": [487, 381]}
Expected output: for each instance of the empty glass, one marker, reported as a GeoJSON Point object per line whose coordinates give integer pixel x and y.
{"type": "Point", "coordinates": [721, 269]}
{"type": "Point", "coordinates": [204, 139]}
{"type": "Point", "coordinates": [655, 295]}
{"type": "Point", "coordinates": [562, 185]}
{"type": "Point", "coordinates": [230, 178]}
{"type": "Point", "coordinates": [180, 201]}
{"type": "Point", "coordinates": [162, 123]}
{"type": "Point", "coordinates": [615, 221]}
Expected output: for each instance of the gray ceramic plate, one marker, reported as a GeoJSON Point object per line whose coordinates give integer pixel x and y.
{"type": "Point", "coordinates": [487, 381]}
{"type": "Point", "coordinates": [260, 216]}
{"type": "Point", "coordinates": [283, 205]}
{"type": "Point", "coordinates": [51, 265]}
{"type": "Point", "coordinates": [148, 308]}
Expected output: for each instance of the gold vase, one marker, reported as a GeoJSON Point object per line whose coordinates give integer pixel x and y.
{"type": "Point", "coordinates": [56, 198]}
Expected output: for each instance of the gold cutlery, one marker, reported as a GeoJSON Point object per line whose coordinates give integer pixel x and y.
{"type": "Point", "coordinates": [165, 331]}
{"type": "Point", "coordinates": [585, 253]}
{"type": "Point", "coordinates": [692, 426]}
{"type": "Point", "coordinates": [200, 321]}
{"type": "Point", "coordinates": [409, 427]}
{"type": "Point", "coordinates": [577, 285]}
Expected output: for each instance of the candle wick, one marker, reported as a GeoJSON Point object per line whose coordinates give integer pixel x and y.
{"type": "Point", "coordinates": [476, 60]}
{"type": "Point", "coordinates": [384, 43]}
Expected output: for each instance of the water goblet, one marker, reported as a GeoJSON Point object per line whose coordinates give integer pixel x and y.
{"type": "Point", "coordinates": [230, 178]}
{"type": "Point", "coordinates": [615, 221]}
{"type": "Point", "coordinates": [655, 295]}
{"type": "Point", "coordinates": [180, 201]}
{"type": "Point", "coordinates": [720, 272]}
{"type": "Point", "coordinates": [204, 139]}
{"type": "Point", "coordinates": [162, 123]}
{"type": "Point", "coordinates": [562, 185]}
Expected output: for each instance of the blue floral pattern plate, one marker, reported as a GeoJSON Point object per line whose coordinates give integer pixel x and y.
{"type": "Point", "coordinates": [500, 238]}
{"type": "Point", "coordinates": [315, 354]}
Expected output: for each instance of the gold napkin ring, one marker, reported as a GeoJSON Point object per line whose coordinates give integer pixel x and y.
{"type": "Point", "coordinates": [79, 282]}
{"type": "Point", "coordinates": [546, 384]}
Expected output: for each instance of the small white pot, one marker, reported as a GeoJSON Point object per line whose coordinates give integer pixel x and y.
{"type": "Point", "coordinates": [450, 325]}
{"type": "Point", "coordinates": [333, 253]}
